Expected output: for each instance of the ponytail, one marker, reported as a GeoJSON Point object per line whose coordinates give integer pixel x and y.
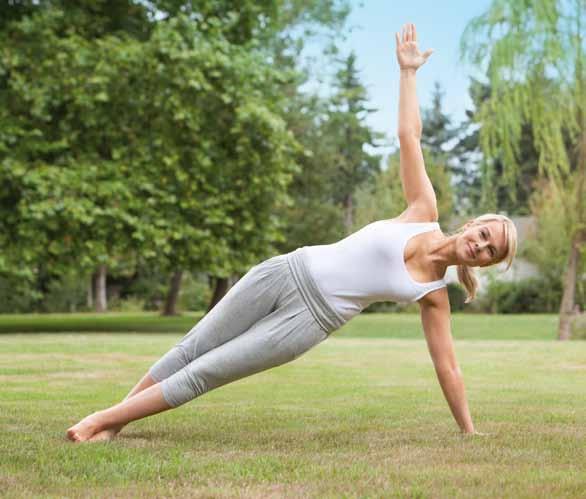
{"type": "Point", "coordinates": [467, 278]}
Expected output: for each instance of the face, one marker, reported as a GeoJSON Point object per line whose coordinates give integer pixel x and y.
{"type": "Point", "coordinates": [481, 245]}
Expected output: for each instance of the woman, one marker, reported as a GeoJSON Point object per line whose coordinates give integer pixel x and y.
{"type": "Point", "coordinates": [289, 303]}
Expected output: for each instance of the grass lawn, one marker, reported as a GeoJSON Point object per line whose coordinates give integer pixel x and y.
{"type": "Point", "coordinates": [354, 417]}
{"type": "Point", "coordinates": [371, 325]}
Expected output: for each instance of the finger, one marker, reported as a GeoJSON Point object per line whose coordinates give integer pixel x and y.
{"type": "Point", "coordinates": [409, 33]}
{"type": "Point", "coordinates": [404, 33]}
{"type": "Point", "coordinates": [414, 33]}
{"type": "Point", "coordinates": [397, 39]}
{"type": "Point", "coordinates": [427, 53]}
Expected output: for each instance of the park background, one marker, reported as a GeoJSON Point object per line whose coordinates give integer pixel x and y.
{"type": "Point", "coordinates": [151, 152]}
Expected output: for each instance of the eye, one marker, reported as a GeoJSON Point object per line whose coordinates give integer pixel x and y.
{"type": "Point", "coordinates": [492, 250]}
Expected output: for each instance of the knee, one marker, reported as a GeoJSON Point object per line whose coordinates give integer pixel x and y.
{"type": "Point", "coordinates": [183, 355]}
{"type": "Point", "coordinates": [182, 387]}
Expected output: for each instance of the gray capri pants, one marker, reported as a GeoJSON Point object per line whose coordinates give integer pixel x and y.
{"type": "Point", "coordinates": [271, 316]}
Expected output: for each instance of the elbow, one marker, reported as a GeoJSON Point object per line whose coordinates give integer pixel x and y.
{"type": "Point", "coordinates": [409, 134]}
{"type": "Point", "coordinates": [449, 370]}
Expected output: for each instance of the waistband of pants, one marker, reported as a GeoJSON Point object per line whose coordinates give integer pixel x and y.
{"type": "Point", "coordinates": [328, 319]}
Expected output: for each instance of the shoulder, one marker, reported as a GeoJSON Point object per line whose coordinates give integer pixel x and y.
{"type": "Point", "coordinates": [419, 212]}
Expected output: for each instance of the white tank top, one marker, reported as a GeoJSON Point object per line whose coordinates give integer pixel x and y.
{"type": "Point", "coordinates": [368, 266]}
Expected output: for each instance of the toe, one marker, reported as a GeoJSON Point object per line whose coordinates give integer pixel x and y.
{"type": "Point", "coordinates": [72, 434]}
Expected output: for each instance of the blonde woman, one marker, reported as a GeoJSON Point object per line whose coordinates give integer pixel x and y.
{"type": "Point", "coordinates": [289, 303]}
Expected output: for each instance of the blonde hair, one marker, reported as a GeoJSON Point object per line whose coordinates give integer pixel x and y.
{"type": "Point", "coordinates": [466, 274]}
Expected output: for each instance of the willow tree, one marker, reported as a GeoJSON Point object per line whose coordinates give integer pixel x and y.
{"type": "Point", "coordinates": [533, 53]}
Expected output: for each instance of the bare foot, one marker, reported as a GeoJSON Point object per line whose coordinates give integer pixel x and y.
{"type": "Point", "coordinates": [105, 435]}
{"type": "Point", "coordinates": [85, 429]}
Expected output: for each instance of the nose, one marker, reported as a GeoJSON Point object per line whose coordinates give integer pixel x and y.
{"type": "Point", "coordinates": [478, 246]}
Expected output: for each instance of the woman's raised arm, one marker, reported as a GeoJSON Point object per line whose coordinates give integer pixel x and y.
{"type": "Point", "coordinates": [417, 187]}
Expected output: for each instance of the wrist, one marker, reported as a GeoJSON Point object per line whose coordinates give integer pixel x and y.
{"type": "Point", "coordinates": [409, 71]}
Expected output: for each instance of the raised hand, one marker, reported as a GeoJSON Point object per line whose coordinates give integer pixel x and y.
{"type": "Point", "coordinates": [408, 54]}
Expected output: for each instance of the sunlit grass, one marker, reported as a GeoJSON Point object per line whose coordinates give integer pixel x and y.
{"type": "Point", "coordinates": [353, 417]}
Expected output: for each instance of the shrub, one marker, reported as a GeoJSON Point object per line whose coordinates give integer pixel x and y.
{"type": "Point", "coordinates": [129, 304]}
{"type": "Point", "coordinates": [14, 300]}
{"type": "Point", "coordinates": [579, 327]}
{"type": "Point", "coordinates": [534, 295]}
{"type": "Point", "coordinates": [195, 293]}
{"type": "Point", "coordinates": [457, 295]}
{"type": "Point", "coordinates": [68, 293]}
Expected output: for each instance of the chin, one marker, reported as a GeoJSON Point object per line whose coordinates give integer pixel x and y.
{"type": "Point", "coordinates": [465, 257]}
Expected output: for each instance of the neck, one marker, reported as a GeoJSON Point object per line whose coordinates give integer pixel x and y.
{"type": "Point", "coordinates": [442, 252]}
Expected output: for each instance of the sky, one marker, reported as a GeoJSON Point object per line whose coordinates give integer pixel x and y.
{"type": "Point", "coordinates": [439, 26]}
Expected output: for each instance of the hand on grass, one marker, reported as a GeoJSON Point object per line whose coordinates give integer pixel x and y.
{"type": "Point", "coordinates": [473, 433]}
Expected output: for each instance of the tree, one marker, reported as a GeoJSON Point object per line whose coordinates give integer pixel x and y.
{"type": "Point", "coordinates": [173, 147]}
{"type": "Point", "coordinates": [313, 216]}
{"type": "Point", "coordinates": [547, 246]}
{"type": "Point", "coordinates": [534, 52]}
{"type": "Point", "coordinates": [161, 142]}
{"type": "Point", "coordinates": [272, 31]}
{"type": "Point", "coordinates": [65, 189]}
{"type": "Point", "coordinates": [383, 197]}
{"type": "Point", "coordinates": [467, 166]}
{"type": "Point", "coordinates": [437, 139]}
{"type": "Point", "coordinates": [58, 38]}
{"type": "Point", "coordinates": [438, 131]}
{"type": "Point", "coordinates": [351, 136]}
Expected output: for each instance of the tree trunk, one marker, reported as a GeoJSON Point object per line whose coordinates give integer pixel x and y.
{"type": "Point", "coordinates": [348, 218]}
{"type": "Point", "coordinates": [100, 295]}
{"type": "Point", "coordinates": [171, 301]}
{"type": "Point", "coordinates": [220, 289]}
{"type": "Point", "coordinates": [90, 292]}
{"type": "Point", "coordinates": [567, 305]}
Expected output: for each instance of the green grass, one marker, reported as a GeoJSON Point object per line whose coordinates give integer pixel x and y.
{"type": "Point", "coordinates": [353, 417]}
{"type": "Point", "coordinates": [146, 322]}
{"type": "Point", "coordinates": [465, 326]}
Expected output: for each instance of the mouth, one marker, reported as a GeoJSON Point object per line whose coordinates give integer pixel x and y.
{"type": "Point", "coordinates": [471, 253]}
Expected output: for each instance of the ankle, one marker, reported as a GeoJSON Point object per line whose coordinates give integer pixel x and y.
{"type": "Point", "coordinates": [101, 421]}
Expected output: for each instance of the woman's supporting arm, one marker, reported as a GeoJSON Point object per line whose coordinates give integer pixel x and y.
{"type": "Point", "coordinates": [435, 317]}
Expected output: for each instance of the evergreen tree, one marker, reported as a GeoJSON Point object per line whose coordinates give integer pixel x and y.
{"type": "Point", "coordinates": [382, 196]}
{"type": "Point", "coordinates": [351, 138]}
{"type": "Point", "coordinates": [437, 141]}
{"type": "Point", "coordinates": [438, 130]}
